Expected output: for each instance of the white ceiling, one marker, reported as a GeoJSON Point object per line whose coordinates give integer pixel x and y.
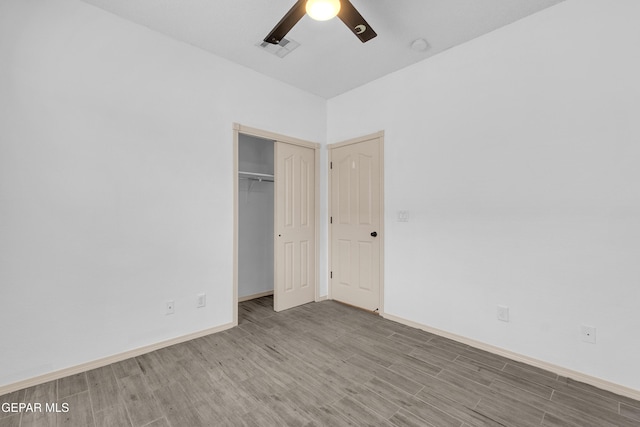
{"type": "Point", "coordinates": [330, 59]}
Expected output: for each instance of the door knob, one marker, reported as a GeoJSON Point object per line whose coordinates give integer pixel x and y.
{"type": "Point", "coordinates": [374, 234]}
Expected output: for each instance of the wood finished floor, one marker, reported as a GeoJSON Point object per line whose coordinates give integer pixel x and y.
{"type": "Point", "coordinates": [321, 364]}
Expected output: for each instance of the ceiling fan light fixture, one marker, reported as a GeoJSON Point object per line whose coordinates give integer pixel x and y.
{"type": "Point", "coordinates": [322, 10]}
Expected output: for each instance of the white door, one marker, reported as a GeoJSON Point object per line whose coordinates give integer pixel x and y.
{"type": "Point", "coordinates": [294, 226]}
{"type": "Point", "coordinates": [356, 223]}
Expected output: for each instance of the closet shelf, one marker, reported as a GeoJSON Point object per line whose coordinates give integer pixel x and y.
{"type": "Point", "coordinates": [254, 176]}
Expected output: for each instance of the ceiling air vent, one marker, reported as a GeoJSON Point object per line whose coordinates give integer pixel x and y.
{"type": "Point", "coordinates": [281, 49]}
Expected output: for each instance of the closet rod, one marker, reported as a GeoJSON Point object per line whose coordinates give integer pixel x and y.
{"type": "Point", "coordinates": [250, 178]}
{"type": "Point", "coordinates": [254, 176]}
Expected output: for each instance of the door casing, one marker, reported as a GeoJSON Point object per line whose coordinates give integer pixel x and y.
{"type": "Point", "coordinates": [246, 130]}
{"type": "Point", "coordinates": [380, 136]}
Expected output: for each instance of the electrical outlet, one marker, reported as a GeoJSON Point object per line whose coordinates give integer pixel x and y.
{"type": "Point", "coordinates": [202, 300]}
{"type": "Point", "coordinates": [171, 307]}
{"type": "Point", "coordinates": [503, 313]}
{"type": "Point", "coordinates": [403, 216]}
{"type": "Point", "coordinates": [588, 334]}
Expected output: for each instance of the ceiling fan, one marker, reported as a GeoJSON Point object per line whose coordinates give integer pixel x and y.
{"type": "Point", "coordinates": [322, 10]}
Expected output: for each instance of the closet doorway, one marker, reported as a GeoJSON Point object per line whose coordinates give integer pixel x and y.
{"type": "Point", "coordinates": [275, 218]}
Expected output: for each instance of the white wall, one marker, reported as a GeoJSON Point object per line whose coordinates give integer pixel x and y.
{"type": "Point", "coordinates": [255, 217]}
{"type": "Point", "coordinates": [116, 182]}
{"type": "Point", "coordinates": [518, 155]}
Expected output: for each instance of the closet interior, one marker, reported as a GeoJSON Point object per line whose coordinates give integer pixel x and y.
{"type": "Point", "coordinates": [255, 217]}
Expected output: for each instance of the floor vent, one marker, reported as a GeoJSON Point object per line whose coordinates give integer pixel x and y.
{"type": "Point", "coordinates": [281, 49]}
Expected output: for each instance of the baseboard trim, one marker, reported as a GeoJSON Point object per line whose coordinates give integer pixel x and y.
{"type": "Point", "coordinates": [98, 363]}
{"type": "Point", "coordinates": [254, 296]}
{"type": "Point", "coordinates": [575, 375]}
{"type": "Point", "coordinates": [322, 298]}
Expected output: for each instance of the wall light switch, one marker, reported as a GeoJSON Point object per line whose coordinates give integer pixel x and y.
{"type": "Point", "coordinates": [202, 300]}
{"type": "Point", "coordinates": [503, 313]}
{"type": "Point", "coordinates": [403, 216]}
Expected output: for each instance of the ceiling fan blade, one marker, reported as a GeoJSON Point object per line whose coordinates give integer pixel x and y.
{"type": "Point", "coordinates": [287, 22]}
{"type": "Point", "coordinates": [356, 23]}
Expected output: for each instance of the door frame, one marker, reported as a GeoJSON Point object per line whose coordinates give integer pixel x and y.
{"type": "Point", "coordinates": [330, 147]}
{"type": "Point", "coordinates": [246, 130]}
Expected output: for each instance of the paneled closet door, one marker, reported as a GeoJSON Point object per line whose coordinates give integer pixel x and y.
{"type": "Point", "coordinates": [295, 269]}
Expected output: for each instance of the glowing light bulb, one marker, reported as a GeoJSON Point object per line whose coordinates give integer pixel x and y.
{"type": "Point", "coordinates": [322, 10]}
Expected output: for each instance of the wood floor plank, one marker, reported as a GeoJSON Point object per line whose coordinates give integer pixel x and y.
{"type": "Point", "coordinates": [392, 377]}
{"type": "Point", "coordinates": [10, 421]}
{"type": "Point", "coordinates": [14, 397]}
{"type": "Point", "coordinates": [595, 411]}
{"type": "Point", "coordinates": [45, 392]}
{"type": "Point", "coordinates": [42, 393]}
{"type": "Point", "coordinates": [448, 344]}
{"type": "Point", "coordinates": [139, 400]}
{"type": "Point", "coordinates": [355, 374]}
{"type": "Point", "coordinates": [175, 398]}
{"type": "Point", "coordinates": [416, 375]}
{"type": "Point", "coordinates": [73, 384]}
{"type": "Point", "coordinates": [486, 358]}
{"type": "Point", "coordinates": [328, 416]}
{"type": "Point", "coordinates": [114, 415]}
{"type": "Point", "coordinates": [261, 387]}
{"type": "Point", "coordinates": [631, 412]}
{"type": "Point", "coordinates": [412, 404]}
{"type": "Point", "coordinates": [438, 387]}
{"type": "Point", "coordinates": [39, 419]}
{"type": "Point", "coordinates": [213, 412]}
{"type": "Point", "coordinates": [479, 362]}
{"type": "Point", "coordinates": [362, 348]}
{"type": "Point", "coordinates": [466, 414]}
{"type": "Point", "coordinates": [404, 418]}
{"type": "Point", "coordinates": [551, 420]}
{"type": "Point", "coordinates": [524, 384]}
{"type": "Point", "coordinates": [373, 401]}
{"type": "Point", "coordinates": [531, 373]}
{"type": "Point", "coordinates": [478, 376]}
{"type": "Point", "coordinates": [154, 370]}
{"type": "Point", "coordinates": [416, 335]}
{"type": "Point", "coordinates": [573, 385]}
{"type": "Point", "coordinates": [126, 368]}
{"type": "Point", "coordinates": [291, 415]}
{"type": "Point", "coordinates": [599, 400]}
{"type": "Point", "coordinates": [161, 422]}
{"type": "Point", "coordinates": [303, 399]}
{"type": "Point", "coordinates": [103, 388]}
{"type": "Point", "coordinates": [189, 417]}
{"type": "Point", "coordinates": [359, 413]}
{"type": "Point", "coordinates": [509, 411]}
{"type": "Point", "coordinates": [427, 351]}
{"type": "Point", "coordinates": [263, 416]}
{"type": "Point", "coordinates": [80, 413]}
{"type": "Point", "coordinates": [553, 410]}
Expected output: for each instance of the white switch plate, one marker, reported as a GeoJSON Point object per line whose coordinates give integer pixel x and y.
{"type": "Point", "coordinates": [403, 216]}
{"type": "Point", "coordinates": [503, 313]}
{"type": "Point", "coordinates": [202, 300]}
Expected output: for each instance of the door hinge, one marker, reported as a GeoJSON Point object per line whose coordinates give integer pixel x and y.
{"type": "Point", "coordinates": [331, 275]}
{"type": "Point", "coordinates": [331, 220]}
{"type": "Point", "coordinates": [330, 165]}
